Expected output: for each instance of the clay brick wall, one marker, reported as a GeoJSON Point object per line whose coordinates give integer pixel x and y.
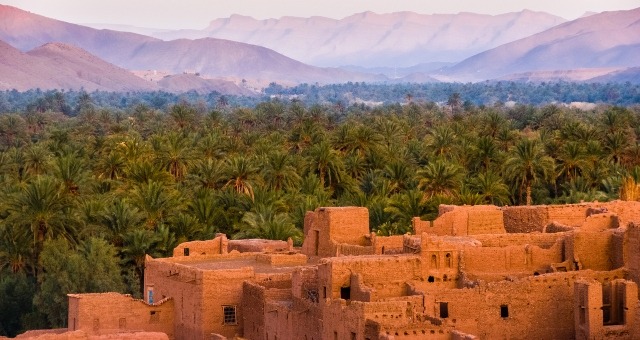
{"type": "Point", "coordinates": [593, 250]}
{"type": "Point", "coordinates": [258, 245]}
{"type": "Point", "coordinates": [184, 286]}
{"type": "Point", "coordinates": [105, 313]}
{"type": "Point", "coordinates": [540, 307]}
{"type": "Point", "coordinates": [572, 215]}
{"type": "Point", "coordinates": [632, 252]}
{"type": "Point", "coordinates": [346, 224]}
{"type": "Point", "coordinates": [327, 227]}
{"type": "Point", "coordinates": [223, 288]}
{"type": "Point", "coordinates": [354, 250]}
{"type": "Point", "coordinates": [600, 222]}
{"type": "Point", "coordinates": [463, 220]}
{"type": "Point", "coordinates": [525, 219]}
{"type": "Point", "coordinates": [342, 321]}
{"type": "Point", "coordinates": [198, 248]}
{"type": "Point", "coordinates": [618, 298]}
{"type": "Point", "coordinates": [385, 275]}
{"type": "Point", "coordinates": [253, 300]}
{"type": "Point", "coordinates": [511, 259]}
{"type": "Point", "coordinates": [542, 240]}
{"type": "Point", "coordinates": [388, 244]}
{"type": "Point", "coordinates": [282, 259]}
{"type": "Point", "coordinates": [627, 211]}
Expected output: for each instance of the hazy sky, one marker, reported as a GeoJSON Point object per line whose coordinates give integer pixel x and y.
{"type": "Point", "coordinates": [197, 13]}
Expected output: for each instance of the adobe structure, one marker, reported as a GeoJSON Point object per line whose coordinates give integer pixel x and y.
{"type": "Point", "coordinates": [476, 272]}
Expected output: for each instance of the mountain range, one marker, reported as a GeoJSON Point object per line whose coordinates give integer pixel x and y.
{"type": "Point", "coordinates": [368, 39]}
{"type": "Point", "coordinates": [404, 47]}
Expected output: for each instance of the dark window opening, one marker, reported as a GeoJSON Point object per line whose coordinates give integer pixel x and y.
{"type": "Point", "coordinates": [444, 310]}
{"type": "Point", "coordinates": [536, 273]}
{"type": "Point", "coordinates": [324, 292]}
{"type": "Point", "coordinates": [353, 336]}
{"type": "Point", "coordinates": [431, 279]}
{"type": "Point", "coordinates": [154, 316]}
{"type": "Point", "coordinates": [447, 260]}
{"type": "Point", "coordinates": [345, 293]}
{"type": "Point", "coordinates": [229, 315]}
{"type": "Point", "coordinates": [504, 311]}
{"type": "Point", "coordinates": [186, 251]}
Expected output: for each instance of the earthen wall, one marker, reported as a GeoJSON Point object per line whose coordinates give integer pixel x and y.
{"type": "Point", "coordinates": [106, 313]}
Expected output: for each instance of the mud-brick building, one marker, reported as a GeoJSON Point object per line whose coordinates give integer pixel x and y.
{"type": "Point", "coordinates": [476, 272]}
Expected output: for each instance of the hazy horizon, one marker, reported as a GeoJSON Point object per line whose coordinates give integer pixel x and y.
{"type": "Point", "coordinates": [194, 14]}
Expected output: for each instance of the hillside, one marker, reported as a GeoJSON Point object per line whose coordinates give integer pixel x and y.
{"type": "Point", "coordinates": [608, 39]}
{"type": "Point", "coordinates": [62, 66]}
{"type": "Point", "coordinates": [210, 57]}
{"type": "Point", "coordinates": [372, 40]}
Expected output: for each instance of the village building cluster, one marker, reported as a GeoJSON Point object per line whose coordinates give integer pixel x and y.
{"type": "Point", "coordinates": [475, 272]}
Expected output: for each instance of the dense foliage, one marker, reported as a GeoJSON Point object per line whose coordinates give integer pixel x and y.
{"type": "Point", "coordinates": [87, 184]}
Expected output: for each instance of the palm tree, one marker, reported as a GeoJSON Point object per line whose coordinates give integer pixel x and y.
{"type": "Point", "coordinates": [404, 207]}
{"type": "Point", "coordinates": [42, 207]}
{"type": "Point", "coordinates": [15, 250]}
{"type": "Point", "coordinates": [267, 224]}
{"type": "Point", "coordinates": [439, 178]}
{"type": "Point", "coordinates": [37, 160]}
{"type": "Point", "coordinates": [572, 160]}
{"type": "Point", "coordinates": [279, 172]}
{"type": "Point", "coordinates": [491, 186]}
{"type": "Point", "coordinates": [119, 217]}
{"type": "Point", "coordinates": [207, 174]}
{"type": "Point", "coordinates": [138, 243]}
{"type": "Point", "coordinates": [155, 201]}
{"type": "Point", "coordinates": [71, 171]}
{"type": "Point", "coordinates": [527, 164]}
{"type": "Point", "coordinates": [175, 155]}
{"type": "Point", "coordinates": [325, 162]}
{"type": "Point", "coordinates": [240, 172]}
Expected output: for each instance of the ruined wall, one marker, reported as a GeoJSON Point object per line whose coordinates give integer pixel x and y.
{"type": "Point", "coordinates": [388, 244]}
{"type": "Point", "coordinates": [592, 250]}
{"type": "Point", "coordinates": [525, 219]}
{"type": "Point", "coordinates": [542, 240]}
{"type": "Point", "coordinates": [325, 228]}
{"type": "Point", "coordinates": [105, 313]}
{"type": "Point", "coordinates": [605, 310]}
{"type": "Point", "coordinates": [600, 222]}
{"type": "Point", "coordinates": [258, 246]}
{"type": "Point", "coordinates": [540, 307]}
{"type": "Point", "coordinates": [384, 275]}
{"type": "Point", "coordinates": [627, 211]}
{"type": "Point", "coordinates": [343, 321]}
{"type": "Point", "coordinates": [253, 300]}
{"type": "Point", "coordinates": [631, 252]}
{"type": "Point", "coordinates": [511, 259]}
{"type": "Point", "coordinates": [463, 220]}
{"type": "Point", "coordinates": [199, 248]}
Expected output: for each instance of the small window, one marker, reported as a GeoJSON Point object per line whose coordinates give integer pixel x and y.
{"type": "Point", "coordinates": [353, 336]}
{"type": "Point", "coordinates": [229, 315]}
{"type": "Point", "coordinates": [345, 293]}
{"type": "Point", "coordinates": [444, 310]}
{"type": "Point", "coordinates": [324, 292]}
{"type": "Point", "coordinates": [504, 311]}
{"type": "Point", "coordinates": [154, 317]}
{"type": "Point", "coordinates": [431, 279]}
{"type": "Point", "coordinates": [186, 251]}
